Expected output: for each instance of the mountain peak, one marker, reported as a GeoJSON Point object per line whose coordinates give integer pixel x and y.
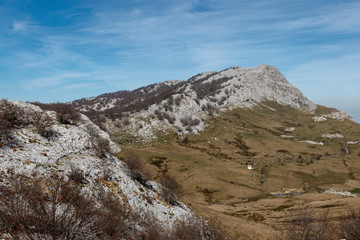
{"type": "Point", "coordinates": [183, 105]}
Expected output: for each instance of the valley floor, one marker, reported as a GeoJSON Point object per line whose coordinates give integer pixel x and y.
{"type": "Point", "coordinates": [286, 174]}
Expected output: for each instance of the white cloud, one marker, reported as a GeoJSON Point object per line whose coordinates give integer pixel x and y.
{"type": "Point", "coordinates": [19, 26]}
{"type": "Point", "coordinates": [55, 80]}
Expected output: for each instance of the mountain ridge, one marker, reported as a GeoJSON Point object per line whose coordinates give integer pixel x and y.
{"type": "Point", "coordinates": [183, 106]}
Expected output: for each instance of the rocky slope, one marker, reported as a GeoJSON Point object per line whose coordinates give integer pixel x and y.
{"type": "Point", "coordinates": [72, 148]}
{"type": "Point", "coordinates": [184, 105]}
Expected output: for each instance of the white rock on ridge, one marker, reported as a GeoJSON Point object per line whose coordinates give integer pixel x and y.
{"type": "Point", "coordinates": [337, 191]}
{"type": "Point", "coordinates": [287, 136]}
{"type": "Point", "coordinates": [291, 129]}
{"type": "Point", "coordinates": [313, 142]}
{"type": "Point", "coordinates": [335, 135]}
{"type": "Point", "coordinates": [205, 94]}
{"type": "Point", "coordinates": [33, 155]}
{"type": "Point", "coordinates": [339, 115]}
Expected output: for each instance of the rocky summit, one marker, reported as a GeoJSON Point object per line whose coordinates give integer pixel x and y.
{"type": "Point", "coordinates": [182, 106]}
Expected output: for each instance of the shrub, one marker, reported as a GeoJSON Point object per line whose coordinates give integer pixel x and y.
{"type": "Point", "coordinates": [350, 225]}
{"type": "Point", "coordinates": [101, 146]}
{"type": "Point", "coordinates": [192, 228]}
{"type": "Point", "coordinates": [170, 189]}
{"type": "Point", "coordinates": [11, 117]}
{"type": "Point", "coordinates": [43, 124]}
{"type": "Point", "coordinates": [5, 129]}
{"type": "Point", "coordinates": [77, 176]}
{"type": "Point", "coordinates": [178, 101]}
{"type": "Point", "coordinates": [304, 224]}
{"type": "Point", "coordinates": [30, 209]}
{"type": "Point", "coordinates": [65, 113]}
{"type": "Point", "coordinates": [126, 122]}
{"type": "Point", "coordinates": [189, 121]}
{"type": "Point", "coordinates": [159, 115]}
{"type": "Point", "coordinates": [184, 229]}
{"type": "Point", "coordinates": [137, 171]}
{"type": "Point", "coordinates": [13, 114]}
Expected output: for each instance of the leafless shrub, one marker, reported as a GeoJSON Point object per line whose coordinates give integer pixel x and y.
{"type": "Point", "coordinates": [5, 129]}
{"type": "Point", "coordinates": [349, 228]}
{"type": "Point", "coordinates": [137, 171]}
{"type": "Point", "coordinates": [184, 229]}
{"type": "Point", "coordinates": [29, 209]}
{"type": "Point", "coordinates": [43, 124]}
{"type": "Point", "coordinates": [101, 146]}
{"type": "Point", "coordinates": [170, 119]}
{"type": "Point", "coordinates": [222, 100]}
{"type": "Point", "coordinates": [11, 117]}
{"type": "Point", "coordinates": [65, 113]}
{"type": "Point", "coordinates": [189, 121]}
{"type": "Point", "coordinates": [159, 115]}
{"type": "Point", "coordinates": [170, 189]}
{"type": "Point", "coordinates": [304, 224]}
{"type": "Point", "coordinates": [77, 176]}
{"type": "Point", "coordinates": [189, 129]}
{"type": "Point", "coordinates": [210, 109]}
{"type": "Point", "coordinates": [345, 149]}
{"type": "Point", "coordinates": [192, 228]}
{"type": "Point", "coordinates": [126, 122]}
{"type": "Point", "coordinates": [213, 99]}
{"type": "Point", "coordinates": [114, 221]}
{"type": "Point", "coordinates": [178, 101]}
{"type": "Point", "coordinates": [170, 101]}
{"type": "Point", "coordinates": [13, 114]}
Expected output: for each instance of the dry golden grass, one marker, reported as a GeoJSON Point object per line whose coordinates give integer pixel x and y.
{"type": "Point", "coordinates": [211, 167]}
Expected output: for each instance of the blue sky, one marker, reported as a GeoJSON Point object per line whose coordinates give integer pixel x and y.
{"type": "Point", "coordinates": [64, 50]}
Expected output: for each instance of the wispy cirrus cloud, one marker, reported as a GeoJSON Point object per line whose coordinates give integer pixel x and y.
{"type": "Point", "coordinates": [117, 45]}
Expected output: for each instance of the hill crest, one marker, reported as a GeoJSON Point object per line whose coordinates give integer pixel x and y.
{"type": "Point", "coordinates": [183, 106]}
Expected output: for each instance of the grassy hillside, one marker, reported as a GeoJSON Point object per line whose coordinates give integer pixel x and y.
{"type": "Point", "coordinates": [212, 166]}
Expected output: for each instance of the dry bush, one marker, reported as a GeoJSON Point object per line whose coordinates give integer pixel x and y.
{"type": "Point", "coordinates": [170, 189]}
{"type": "Point", "coordinates": [193, 228]}
{"type": "Point", "coordinates": [177, 101]}
{"type": "Point", "coordinates": [304, 224]}
{"type": "Point", "coordinates": [29, 209]}
{"type": "Point", "coordinates": [126, 122]}
{"type": "Point", "coordinates": [349, 228]}
{"type": "Point", "coordinates": [43, 124]}
{"type": "Point", "coordinates": [5, 129]}
{"type": "Point", "coordinates": [77, 176]}
{"type": "Point", "coordinates": [114, 220]}
{"type": "Point", "coordinates": [186, 229]}
{"type": "Point", "coordinates": [101, 145]}
{"type": "Point", "coordinates": [13, 114]}
{"type": "Point", "coordinates": [11, 117]}
{"type": "Point", "coordinates": [65, 113]}
{"type": "Point", "coordinates": [189, 121]}
{"type": "Point", "coordinates": [154, 232]}
{"type": "Point", "coordinates": [137, 171]}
